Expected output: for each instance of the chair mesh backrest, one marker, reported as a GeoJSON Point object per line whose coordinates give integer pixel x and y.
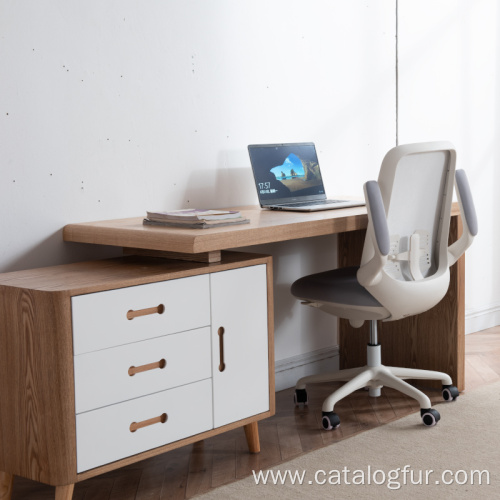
{"type": "Point", "coordinates": [417, 191]}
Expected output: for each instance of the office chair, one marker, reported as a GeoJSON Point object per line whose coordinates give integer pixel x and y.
{"type": "Point", "coordinates": [404, 268]}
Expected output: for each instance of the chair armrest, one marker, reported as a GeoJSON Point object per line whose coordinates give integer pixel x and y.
{"type": "Point", "coordinates": [376, 211]}
{"type": "Point", "coordinates": [378, 230]}
{"type": "Point", "coordinates": [469, 218]}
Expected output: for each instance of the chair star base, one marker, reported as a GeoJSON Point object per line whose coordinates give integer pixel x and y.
{"type": "Point", "coordinates": [374, 376]}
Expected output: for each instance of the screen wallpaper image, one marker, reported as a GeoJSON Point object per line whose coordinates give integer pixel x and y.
{"type": "Point", "coordinates": [297, 175]}
{"type": "Point", "coordinates": [285, 174]}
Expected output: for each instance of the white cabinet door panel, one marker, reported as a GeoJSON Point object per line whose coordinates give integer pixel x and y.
{"type": "Point", "coordinates": [239, 306]}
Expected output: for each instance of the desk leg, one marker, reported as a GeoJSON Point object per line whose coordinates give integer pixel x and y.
{"type": "Point", "coordinates": [65, 492]}
{"type": "Point", "coordinates": [6, 482]}
{"type": "Point", "coordinates": [434, 340]}
{"type": "Point", "coordinates": [252, 435]}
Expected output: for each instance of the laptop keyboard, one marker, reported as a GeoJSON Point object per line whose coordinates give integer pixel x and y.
{"type": "Point", "coordinates": [312, 203]}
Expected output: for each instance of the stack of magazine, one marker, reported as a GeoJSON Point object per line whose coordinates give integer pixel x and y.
{"type": "Point", "coordinates": [194, 218]}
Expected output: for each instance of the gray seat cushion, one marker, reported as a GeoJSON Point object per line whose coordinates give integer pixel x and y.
{"type": "Point", "coordinates": [339, 286]}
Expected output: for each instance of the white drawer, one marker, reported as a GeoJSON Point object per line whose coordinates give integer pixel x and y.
{"type": "Point", "coordinates": [106, 377]}
{"type": "Point", "coordinates": [100, 320]}
{"type": "Point", "coordinates": [104, 435]}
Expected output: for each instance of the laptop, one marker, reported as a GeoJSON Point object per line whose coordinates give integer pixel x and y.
{"type": "Point", "coordinates": [288, 177]}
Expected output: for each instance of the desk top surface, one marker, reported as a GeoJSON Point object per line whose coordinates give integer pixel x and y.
{"type": "Point", "coordinates": [266, 226]}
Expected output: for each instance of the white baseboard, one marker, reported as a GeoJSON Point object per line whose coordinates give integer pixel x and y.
{"type": "Point", "coordinates": [482, 318]}
{"type": "Point", "coordinates": [289, 370]}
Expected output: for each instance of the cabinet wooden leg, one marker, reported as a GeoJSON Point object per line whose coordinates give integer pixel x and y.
{"type": "Point", "coordinates": [252, 435]}
{"type": "Point", "coordinates": [6, 481]}
{"type": "Point", "coordinates": [65, 492]}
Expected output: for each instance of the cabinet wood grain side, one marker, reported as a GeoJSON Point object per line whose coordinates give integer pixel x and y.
{"type": "Point", "coordinates": [6, 482]}
{"type": "Point", "coordinates": [37, 411]}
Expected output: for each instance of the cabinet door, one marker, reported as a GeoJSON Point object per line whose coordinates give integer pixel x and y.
{"type": "Point", "coordinates": [240, 342]}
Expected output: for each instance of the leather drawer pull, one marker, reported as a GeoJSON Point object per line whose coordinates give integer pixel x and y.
{"type": "Point", "coordinates": [150, 366]}
{"type": "Point", "coordinates": [145, 423]}
{"type": "Point", "coordinates": [222, 365]}
{"type": "Point", "coordinates": [144, 312]}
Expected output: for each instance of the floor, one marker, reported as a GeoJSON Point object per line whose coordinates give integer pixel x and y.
{"type": "Point", "coordinates": [195, 469]}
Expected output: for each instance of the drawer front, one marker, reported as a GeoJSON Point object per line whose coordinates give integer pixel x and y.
{"type": "Point", "coordinates": [105, 435]}
{"type": "Point", "coordinates": [102, 320]}
{"type": "Point", "coordinates": [113, 375]}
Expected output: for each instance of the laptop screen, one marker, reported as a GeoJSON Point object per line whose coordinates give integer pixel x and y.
{"type": "Point", "coordinates": [286, 173]}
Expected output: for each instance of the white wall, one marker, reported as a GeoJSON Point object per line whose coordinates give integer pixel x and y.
{"type": "Point", "coordinates": [449, 75]}
{"type": "Point", "coordinates": [111, 108]}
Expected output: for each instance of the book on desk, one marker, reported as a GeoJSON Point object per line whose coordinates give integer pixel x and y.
{"type": "Point", "coordinates": [195, 218]}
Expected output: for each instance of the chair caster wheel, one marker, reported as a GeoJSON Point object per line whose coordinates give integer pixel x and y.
{"type": "Point", "coordinates": [430, 416]}
{"type": "Point", "coordinates": [450, 392]}
{"type": "Point", "coordinates": [330, 420]}
{"type": "Point", "coordinates": [300, 396]}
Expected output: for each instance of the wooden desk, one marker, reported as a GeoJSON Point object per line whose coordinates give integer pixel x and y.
{"type": "Point", "coordinates": [205, 244]}
{"type": "Point", "coordinates": [433, 340]}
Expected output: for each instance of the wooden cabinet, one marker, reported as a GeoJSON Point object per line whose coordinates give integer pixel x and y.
{"type": "Point", "coordinates": [109, 362]}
